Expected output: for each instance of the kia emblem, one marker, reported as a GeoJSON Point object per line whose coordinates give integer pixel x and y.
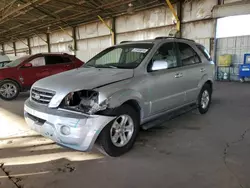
{"type": "Point", "coordinates": [37, 96]}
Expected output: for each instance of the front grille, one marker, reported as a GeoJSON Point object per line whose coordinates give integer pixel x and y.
{"type": "Point", "coordinates": [41, 96]}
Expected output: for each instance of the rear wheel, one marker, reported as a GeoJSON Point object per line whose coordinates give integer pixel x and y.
{"type": "Point", "coordinates": [204, 99]}
{"type": "Point", "coordinates": [242, 80]}
{"type": "Point", "coordinates": [9, 90]}
{"type": "Point", "coordinates": [119, 136]}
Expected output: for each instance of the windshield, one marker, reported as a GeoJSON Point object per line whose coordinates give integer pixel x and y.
{"type": "Point", "coordinates": [16, 62]}
{"type": "Point", "coordinates": [127, 56]}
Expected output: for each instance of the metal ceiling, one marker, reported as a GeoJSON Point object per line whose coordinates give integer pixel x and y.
{"type": "Point", "coordinates": [24, 18]}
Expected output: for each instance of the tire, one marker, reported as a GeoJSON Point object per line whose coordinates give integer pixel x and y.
{"type": "Point", "coordinates": [105, 143]}
{"type": "Point", "coordinates": [242, 80]}
{"type": "Point", "coordinates": [205, 93]}
{"type": "Point", "coordinates": [13, 86]}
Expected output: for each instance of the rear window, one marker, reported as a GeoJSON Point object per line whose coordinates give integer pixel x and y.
{"type": "Point", "coordinates": [204, 52]}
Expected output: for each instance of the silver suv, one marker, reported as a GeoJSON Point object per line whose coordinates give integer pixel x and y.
{"type": "Point", "coordinates": [119, 90]}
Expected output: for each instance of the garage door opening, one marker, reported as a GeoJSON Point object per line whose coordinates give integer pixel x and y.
{"type": "Point", "coordinates": [233, 43]}
{"type": "Point", "coordinates": [233, 26]}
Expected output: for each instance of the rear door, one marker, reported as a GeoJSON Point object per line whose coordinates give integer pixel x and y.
{"type": "Point", "coordinates": [58, 63]}
{"type": "Point", "coordinates": [193, 70]}
{"type": "Point", "coordinates": [30, 75]}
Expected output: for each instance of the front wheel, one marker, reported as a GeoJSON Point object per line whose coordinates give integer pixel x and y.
{"type": "Point", "coordinates": [9, 90]}
{"type": "Point", "coordinates": [119, 136]}
{"type": "Point", "coordinates": [204, 99]}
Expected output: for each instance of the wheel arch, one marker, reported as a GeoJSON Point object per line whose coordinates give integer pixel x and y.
{"type": "Point", "coordinates": [13, 80]}
{"type": "Point", "coordinates": [135, 104]}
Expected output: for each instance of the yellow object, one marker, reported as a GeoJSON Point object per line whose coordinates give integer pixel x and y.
{"type": "Point", "coordinates": [225, 60]}
{"type": "Point", "coordinates": [112, 32]}
{"type": "Point", "coordinates": [178, 23]}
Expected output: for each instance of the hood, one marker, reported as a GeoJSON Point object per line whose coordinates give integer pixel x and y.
{"type": "Point", "coordinates": [83, 78]}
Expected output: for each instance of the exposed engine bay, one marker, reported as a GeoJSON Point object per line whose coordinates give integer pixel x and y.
{"type": "Point", "coordinates": [86, 101]}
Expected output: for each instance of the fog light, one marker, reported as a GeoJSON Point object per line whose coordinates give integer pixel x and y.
{"type": "Point", "coordinates": [65, 130]}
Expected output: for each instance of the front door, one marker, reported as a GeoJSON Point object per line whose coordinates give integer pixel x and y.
{"type": "Point", "coordinates": [166, 90]}
{"type": "Point", "coordinates": [30, 75]}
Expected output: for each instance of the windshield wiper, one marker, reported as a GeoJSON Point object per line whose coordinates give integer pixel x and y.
{"type": "Point", "coordinates": [87, 66]}
{"type": "Point", "coordinates": [106, 66]}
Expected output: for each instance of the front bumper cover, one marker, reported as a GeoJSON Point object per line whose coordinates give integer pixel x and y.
{"type": "Point", "coordinates": [83, 129]}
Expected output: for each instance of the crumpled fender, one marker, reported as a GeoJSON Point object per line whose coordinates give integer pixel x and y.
{"type": "Point", "coordinates": [122, 96]}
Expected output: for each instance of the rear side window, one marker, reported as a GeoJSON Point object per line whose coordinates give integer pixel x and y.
{"type": "Point", "coordinates": [187, 54]}
{"type": "Point", "coordinates": [204, 52]}
{"type": "Point", "coordinates": [52, 60]}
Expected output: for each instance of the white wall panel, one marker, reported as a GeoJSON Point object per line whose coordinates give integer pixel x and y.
{"type": "Point", "coordinates": [144, 34]}
{"type": "Point", "coordinates": [87, 48]}
{"type": "Point", "coordinates": [145, 19]}
{"type": "Point", "coordinates": [231, 9]}
{"type": "Point", "coordinates": [21, 45]}
{"type": "Point", "coordinates": [8, 46]}
{"type": "Point", "coordinates": [61, 36]}
{"type": "Point", "coordinates": [20, 54]}
{"type": "Point", "coordinates": [61, 47]}
{"type": "Point", "coordinates": [231, 1]}
{"type": "Point", "coordinates": [200, 29]}
{"type": "Point", "coordinates": [196, 10]}
{"type": "Point", "coordinates": [93, 30]}
{"type": "Point", "coordinates": [11, 55]}
{"type": "Point", "coordinates": [37, 41]}
{"type": "Point", "coordinates": [39, 49]}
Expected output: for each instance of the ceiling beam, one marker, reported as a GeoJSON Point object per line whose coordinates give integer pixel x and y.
{"type": "Point", "coordinates": [21, 7]}
{"type": "Point", "coordinates": [35, 20]}
{"type": "Point", "coordinates": [27, 28]}
{"type": "Point", "coordinates": [17, 12]}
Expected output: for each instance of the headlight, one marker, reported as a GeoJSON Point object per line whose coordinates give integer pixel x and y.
{"type": "Point", "coordinates": [86, 101]}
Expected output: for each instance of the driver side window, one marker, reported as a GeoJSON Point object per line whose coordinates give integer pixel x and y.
{"type": "Point", "coordinates": [111, 57]}
{"type": "Point", "coordinates": [38, 61]}
{"type": "Point", "coordinates": [166, 53]}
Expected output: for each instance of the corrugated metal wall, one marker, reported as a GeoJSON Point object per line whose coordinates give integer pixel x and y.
{"type": "Point", "coordinates": [237, 47]}
{"type": "Point", "coordinates": [197, 24]}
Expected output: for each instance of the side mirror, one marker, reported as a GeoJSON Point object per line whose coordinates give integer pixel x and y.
{"type": "Point", "coordinates": [159, 65]}
{"type": "Point", "coordinates": [27, 65]}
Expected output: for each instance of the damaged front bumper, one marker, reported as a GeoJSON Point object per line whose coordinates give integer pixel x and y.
{"type": "Point", "coordinates": [73, 130]}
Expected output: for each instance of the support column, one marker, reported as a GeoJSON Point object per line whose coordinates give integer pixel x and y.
{"type": "Point", "coordinates": [74, 39]}
{"type": "Point", "coordinates": [114, 30]}
{"type": "Point", "coordinates": [14, 48]}
{"type": "Point", "coordinates": [3, 49]}
{"type": "Point", "coordinates": [28, 44]}
{"type": "Point", "coordinates": [179, 14]}
{"type": "Point", "coordinates": [48, 42]}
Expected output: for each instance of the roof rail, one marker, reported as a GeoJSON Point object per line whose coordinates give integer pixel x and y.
{"type": "Point", "coordinates": [159, 38]}
{"type": "Point", "coordinates": [125, 41]}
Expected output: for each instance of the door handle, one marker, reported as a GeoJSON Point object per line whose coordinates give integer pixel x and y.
{"type": "Point", "coordinates": [178, 75]}
{"type": "Point", "coordinates": [45, 70]}
{"type": "Point", "coordinates": [202, 69]}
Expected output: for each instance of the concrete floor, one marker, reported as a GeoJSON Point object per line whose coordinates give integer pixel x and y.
{"type": "Point", "coordinates": [190, 151]}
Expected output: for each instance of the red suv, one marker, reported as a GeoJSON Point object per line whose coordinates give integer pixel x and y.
{"type": "Point", "coordinates": [20, 74]}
